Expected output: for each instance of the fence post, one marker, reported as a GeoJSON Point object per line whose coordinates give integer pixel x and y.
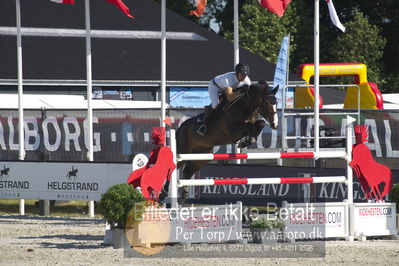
{"type": "Point", "coordinates": [173, 179]}
{"type": "Point", "coordinates": [349, 174]}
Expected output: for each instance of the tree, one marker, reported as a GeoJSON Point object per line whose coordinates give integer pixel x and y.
{"type": "Point", "coordinates": [261, 31]}
{"type": "Point", "coordinates": [381, 13]}
{"type": "Point", "coordinates": [183, 8]}
{"type": "Point", "coordinates": [363, 43]}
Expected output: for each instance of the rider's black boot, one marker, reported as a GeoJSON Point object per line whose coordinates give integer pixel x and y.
{"type": "Point", "coordinates": [207, 115]}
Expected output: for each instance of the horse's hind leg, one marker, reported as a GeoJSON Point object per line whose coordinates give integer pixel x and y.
{"type": "Point", "coordinates": [191, 168]}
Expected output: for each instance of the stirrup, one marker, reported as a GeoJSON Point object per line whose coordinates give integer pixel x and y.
{"type": "Point", "coordinates": [201, 130]}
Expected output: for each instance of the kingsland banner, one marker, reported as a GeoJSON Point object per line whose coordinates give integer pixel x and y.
{"type": "Point", "coordinates": [61, 135]}
{"type": "Point", "coordinates": [270, 194]}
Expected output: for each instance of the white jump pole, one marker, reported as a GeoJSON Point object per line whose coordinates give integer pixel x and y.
{"type": "Point", "coordinates": [21, 155]}
{"type": "Point", "coordinates": [259, 156]}
{"type": "Point", "coordinates": [236, 56]}
{"type": "Point", "coordinates": [349, 174]}
{"type": "Point", "coordinates": [173, 178]}
{"type": "Point", "coordinates": [90, 154]}
{"type": "Point", "coordinates": [163, 62]}
{"type": "Point", "coordinates": [261, 181]}
{"type": "Point", "coordinates": [316, 75]}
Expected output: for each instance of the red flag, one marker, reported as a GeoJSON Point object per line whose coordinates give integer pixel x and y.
{"type": "Point", "coordinates": [72, 2]}
{"type": "Point", "coordinates": [118, 3]}
{"type": "Point", "coordinates": [276, 6]}
{"type": "Point", "coordinates": [200, 5]}
{"type": "Point", "coordinates": [168, 121]}
{"type": "Point", "coordinates": [121, 6]}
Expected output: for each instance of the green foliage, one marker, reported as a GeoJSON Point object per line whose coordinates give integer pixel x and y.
{"type": "Point", "coordinates": [267, 222]}
{"type": "Point", "coordinates": [375, 33]}
{"type": "Point", "coordinates": [261, 31]}
{"type": "Point", "coordinates": [117, 202]}
{"type": "Point", "coordinates": [183, 8]}
{"type": "Point", "coordinates": [363, 43]}
{"type": "Point", "coordinates": [385, 15]}
{"type": "Point", "coordinates": [394, 195]}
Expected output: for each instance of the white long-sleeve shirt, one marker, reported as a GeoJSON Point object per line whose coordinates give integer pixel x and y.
{"type": "Point", "coordinates": [230, 80]}
{"type": "Point", "coordinates": [221, 82]}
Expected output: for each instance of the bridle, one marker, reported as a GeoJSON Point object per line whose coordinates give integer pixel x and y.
{"type": "Point", "coordinates": [274, 111]}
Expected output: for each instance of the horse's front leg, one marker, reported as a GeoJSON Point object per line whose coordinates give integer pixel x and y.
{"type": "Point", "coordinates": [258, 127]}
{"type": "Point", "coordinates": [254, 131]}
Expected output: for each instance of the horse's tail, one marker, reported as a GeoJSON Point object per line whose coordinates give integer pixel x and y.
{"type": "Point", "coordinates": [183, 138]}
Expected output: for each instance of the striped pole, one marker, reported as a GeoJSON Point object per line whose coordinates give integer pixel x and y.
{"type": "Point", "coordinates": [257, 156]}
{"type": "Point", "coordinates": [261, 181]}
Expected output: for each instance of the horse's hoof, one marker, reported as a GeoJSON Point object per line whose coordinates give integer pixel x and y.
{"type": "Point", "coordinates": [241, 145]}
{"type": "Point", "coordinates": [245, 143]}
{"type": "Point", "coordinates": [183, 196]}
{"type": "Point", "coordinates": [162, 196]}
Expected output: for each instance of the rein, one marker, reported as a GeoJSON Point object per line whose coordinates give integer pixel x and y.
{"type": "Point", "coordinates": [229, 104]}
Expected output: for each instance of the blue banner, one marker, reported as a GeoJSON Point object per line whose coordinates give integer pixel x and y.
{"type": "Point", "coordinates": [280, 74]}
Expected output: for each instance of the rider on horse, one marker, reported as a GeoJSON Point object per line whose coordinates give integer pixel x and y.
{"type": "Point", "coordinates": [227, 82]}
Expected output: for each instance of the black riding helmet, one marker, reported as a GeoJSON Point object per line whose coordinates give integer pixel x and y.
{"type": "Point", "coordinates": [242, 68]}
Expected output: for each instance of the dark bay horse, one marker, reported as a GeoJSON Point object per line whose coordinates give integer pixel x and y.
{"type": "Point", "coordinates": [230, 122]}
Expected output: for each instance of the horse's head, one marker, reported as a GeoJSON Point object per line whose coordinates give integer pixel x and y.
{"type": "Point", "coordinates": [268, 104]}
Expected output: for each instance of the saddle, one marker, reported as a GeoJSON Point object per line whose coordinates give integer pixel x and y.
{"type": "Point", "coordinates": [224, 104]}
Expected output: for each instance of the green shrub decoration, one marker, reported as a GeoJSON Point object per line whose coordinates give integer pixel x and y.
{"type": "Point", "coordinates": [394, 195]}
{"type": "Point", "coordinates": [267, 222]}
{"type": "Point", "coordinates": [117, 202]}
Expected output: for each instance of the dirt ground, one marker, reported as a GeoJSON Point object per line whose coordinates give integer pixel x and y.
{"type": "Point", "coordinates": [36, 240]}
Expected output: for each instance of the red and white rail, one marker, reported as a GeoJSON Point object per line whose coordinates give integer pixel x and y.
{"type": "Point", "coordinates": [346, 155]}
{"type": "Point", "coordinates": [261, 181]}
{"type": "Point", "coordinates": [259, 156]}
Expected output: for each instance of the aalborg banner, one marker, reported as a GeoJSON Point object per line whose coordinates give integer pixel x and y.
{"type": "Point", "coordinates": [61, 135]}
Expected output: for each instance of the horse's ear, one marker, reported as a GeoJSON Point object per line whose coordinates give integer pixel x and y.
{"type": "Point", "coordinates": [275, 90]}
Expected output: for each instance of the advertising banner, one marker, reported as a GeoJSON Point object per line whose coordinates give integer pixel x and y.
{"type": "Point", "coordinates": [273, 194]}
{"type": "Point", "coordinates": [192, 224]}
{"type": "Point", "coordinates": [59, 181]}
{"type": "Point", "coordinates": [374, 219]}
{"type": "Point", "coordinates": [189, 97]}
{"type": "Point", "coordinates": [316, 220]}
{"type": "Point", "coordinates": [61, 135]}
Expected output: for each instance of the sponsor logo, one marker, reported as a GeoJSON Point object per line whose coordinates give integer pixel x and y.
{"type": "Point", "coordinates": [72, 184]}
{"type": "Point", "coordinates": [4, 172]}
{"type": "Point", "coordinates": [10, 184]}
{"type": "Point", "coordinates": [375, 211]}
{"type": "Point", "coordinates": [73, 173]}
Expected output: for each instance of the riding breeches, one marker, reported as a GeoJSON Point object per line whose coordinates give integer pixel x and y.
{"type": "Point", "coordinates": [213, 91]}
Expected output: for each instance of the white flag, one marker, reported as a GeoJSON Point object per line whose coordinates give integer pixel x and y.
{"type": "Point", "coordinates": [334, 16]}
